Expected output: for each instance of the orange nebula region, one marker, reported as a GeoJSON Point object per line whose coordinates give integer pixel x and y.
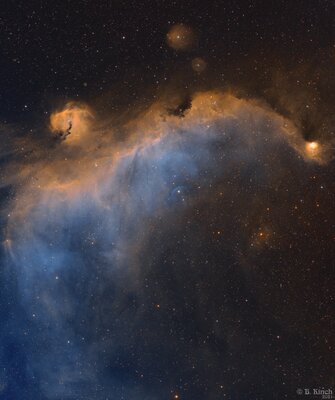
{"type": "Point", "coordinates": [85, 159]}
{"type": "Point", "coordinates": [312, 149]}
{"type": "Point", "coordinates": [181, 37]}
{"type": "Point", "coordinates": [199, 65]}
{"type": "Point", "coordinates": [72, 123]}
{"type": "Point", "coordinates": [70, 173]}
{"type": "Point", "coordinates": [312, 146]}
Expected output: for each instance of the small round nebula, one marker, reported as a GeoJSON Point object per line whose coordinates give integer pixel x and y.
{"type": "Point", "coordinates": [312, 148]}
{"type": "Point", "coordinates": [181, 37]}
{"type": "Point", "coordinates": [72, 123]}
{"type": "Point", "coordinates": [199, 65]}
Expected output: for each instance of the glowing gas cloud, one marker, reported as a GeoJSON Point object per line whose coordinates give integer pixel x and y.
{"type": "Point", "coordinates": [161, 152]}
{"type": "Point", "coordinates": [90, 212]}
{"type": "Point", "coordinates": [181, 37]}
{"type": "Point", "coordinates": [72, 123]}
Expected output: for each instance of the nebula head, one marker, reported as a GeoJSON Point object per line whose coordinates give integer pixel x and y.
{"type": "Point", "coordinates": [72, 123]}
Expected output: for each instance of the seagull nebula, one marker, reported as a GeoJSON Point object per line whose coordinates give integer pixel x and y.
{"type": "Point", "coordinates": [167, 200]}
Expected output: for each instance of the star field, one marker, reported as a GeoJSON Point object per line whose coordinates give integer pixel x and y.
{"type": "Point", "coordinates": [167, 200]}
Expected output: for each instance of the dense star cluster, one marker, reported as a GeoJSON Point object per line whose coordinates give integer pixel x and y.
{"type": "Point", "coordinates": [167, 200]}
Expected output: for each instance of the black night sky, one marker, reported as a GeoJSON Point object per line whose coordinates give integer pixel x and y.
{"type": "Point", "coordinates": [167, 200]}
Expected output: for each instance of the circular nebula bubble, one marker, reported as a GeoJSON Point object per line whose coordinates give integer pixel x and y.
{"type": "Point", "coordinates": [199, 65]}
{"type": "Point", "coordinates": [181, 37]}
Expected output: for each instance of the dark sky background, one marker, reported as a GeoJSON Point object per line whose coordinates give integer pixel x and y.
{"type": "Point", "coordinates": [187, 250]}
{"type": "Point", "coordinates": [82, 49]}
